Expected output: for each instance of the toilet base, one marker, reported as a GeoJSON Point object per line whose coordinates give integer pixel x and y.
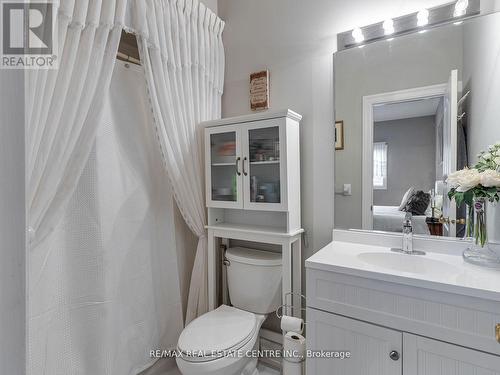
{"type": "Point", "coordinates": [250, 368]}
{"type": "Point", "coordinates": [230, 365]}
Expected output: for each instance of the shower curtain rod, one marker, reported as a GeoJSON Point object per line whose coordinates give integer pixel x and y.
{"type": "Point", "coordinates": [124, 57]}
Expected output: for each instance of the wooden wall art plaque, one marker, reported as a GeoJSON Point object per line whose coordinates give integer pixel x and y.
{"type": "Point", "coordinates": [339, 135]}
{"type": "Point", "coordinates": [259, 90]}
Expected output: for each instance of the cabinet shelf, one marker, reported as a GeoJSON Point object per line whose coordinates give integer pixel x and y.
{"type": "Point", "coordinates": [223, 164]}
{"type": "Point", "coordinates": [255, 229]}
{"type": "Point", "coordinates": [267, 162]}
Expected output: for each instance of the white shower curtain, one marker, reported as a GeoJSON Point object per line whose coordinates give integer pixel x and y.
{"type": "Point", "coordinates": [63, 106]}
{"type": "Point", "coordinates": [105, 286]}
{"type": "Point", "coordinates": [180, 44]}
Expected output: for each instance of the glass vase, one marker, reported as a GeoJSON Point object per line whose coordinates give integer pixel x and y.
{"type": "Point", "coordinates": [469, 224]}
{"type": "Point", "coordinates": [479, 252]}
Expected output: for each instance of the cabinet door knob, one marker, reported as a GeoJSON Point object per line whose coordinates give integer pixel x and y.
{"type": "Point", "coordinates": [394, 355]}
{"type": "Point", "coordinates": [497, 332]}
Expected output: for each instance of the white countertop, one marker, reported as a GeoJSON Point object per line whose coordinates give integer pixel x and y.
{"type": "Point", "coordinates": [436, 271]}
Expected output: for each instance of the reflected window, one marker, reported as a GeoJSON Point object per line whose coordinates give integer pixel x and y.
{"type": "Point", "coordinates": [380, 166]}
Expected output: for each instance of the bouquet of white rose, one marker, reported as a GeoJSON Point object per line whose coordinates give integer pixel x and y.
{"type": "Point", "coordinates": [475, 187]}
{"type": "Point", "coordinates": [468, 184]}
{"type": "Point", "coordinates": [489, 160]}
{"type": "Point", "coordinates": [481, 181]}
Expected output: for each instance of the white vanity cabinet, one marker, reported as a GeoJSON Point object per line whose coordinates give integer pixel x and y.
{"type": "Point", "coordinates": [253, 163]}
{"type": "Point", "coordinates": [376, 350]}
{"type": "Point", "coordinates": [399, 322]}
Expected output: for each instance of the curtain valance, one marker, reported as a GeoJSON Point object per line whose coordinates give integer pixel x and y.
{"type": "Point", "coordinates": [192, 38]}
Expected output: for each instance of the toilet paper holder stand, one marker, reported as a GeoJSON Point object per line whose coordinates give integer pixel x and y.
{"type": "Point", "coordinates": [290, 305]}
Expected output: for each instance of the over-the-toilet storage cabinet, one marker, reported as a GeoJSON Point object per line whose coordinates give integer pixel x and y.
{"type": "Point", "coordinates": [252, 165]}
{"type": "Point", "coordinates": [252, 177]}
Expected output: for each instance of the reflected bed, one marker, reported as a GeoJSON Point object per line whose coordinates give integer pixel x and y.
{"type": "Point", "coordinates": [390, 219]}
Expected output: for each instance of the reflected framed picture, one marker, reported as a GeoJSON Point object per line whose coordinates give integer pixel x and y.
{"type": "Point", "coordinates": [339, 135]}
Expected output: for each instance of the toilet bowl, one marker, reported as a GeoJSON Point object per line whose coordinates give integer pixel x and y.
{"type": "Point", "coordinates": [225, 341]}
{"type": "Point", "coordinates": [220, 342]}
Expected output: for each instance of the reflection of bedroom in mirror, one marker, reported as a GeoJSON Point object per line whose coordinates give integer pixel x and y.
{"type": "Point", "coordinates": [417, 107]}
{"type": "Point", "coordinates": [407, 162]}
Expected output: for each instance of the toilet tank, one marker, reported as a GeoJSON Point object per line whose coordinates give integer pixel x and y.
{"type": "Point", "coordinates": [254, 279]}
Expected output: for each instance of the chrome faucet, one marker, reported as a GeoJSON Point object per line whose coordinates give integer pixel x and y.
{"type": "Point", "coordinates": [407, 234]}
{"type": "Point", "coordinates": [407, 247]}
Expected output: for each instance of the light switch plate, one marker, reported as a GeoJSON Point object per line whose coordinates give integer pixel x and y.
{"type": "Point", "coordinates": [347, 189]}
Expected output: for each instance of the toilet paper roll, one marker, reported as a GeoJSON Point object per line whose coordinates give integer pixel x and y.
{"type": "Point", "coordinates": [294, 350]}
{"type": "Point", "coordinates": [291, 323]}
{"type": "Point", "coordinates": [293, 368]}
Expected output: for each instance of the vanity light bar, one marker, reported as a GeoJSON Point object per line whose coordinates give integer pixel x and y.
{"type": "Point", "coordinates": [410, 23]}
{"type": "Point", "coordinates": [423, 17]}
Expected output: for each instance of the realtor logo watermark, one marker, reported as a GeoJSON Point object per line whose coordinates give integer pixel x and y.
{"type": "Point", "coordinates": [28, 39]}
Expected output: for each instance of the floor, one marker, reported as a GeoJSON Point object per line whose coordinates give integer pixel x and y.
{"type": "Point", "coordinates": [168, 367]}
{"type": "Point", "coordinates": [163, 367]}
{"type": "Point", "coordinates": [264, 370]}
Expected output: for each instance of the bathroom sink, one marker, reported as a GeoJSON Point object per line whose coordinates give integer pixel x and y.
{"type": "Point", "coordinates": [417, 264]}
{"type": "Point", "coordinates": [442, 268]}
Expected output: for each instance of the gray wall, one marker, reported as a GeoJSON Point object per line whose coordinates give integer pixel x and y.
{"type": "Point", "coordinates": [212, 4]}
{"type": "Point", "coordinates": [482, 77]}
{"type": "Point", "coordinates": [12, 224]}
{"type": "Point", "coordinates": [410, 61]}
{"type": "Point", "coordinates": [411, 155]}
{"type": "Point", "coordinates": [295, 40]}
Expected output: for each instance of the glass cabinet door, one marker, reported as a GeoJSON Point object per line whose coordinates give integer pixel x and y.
{"type": "Point", "coordinates": [264, 168]}
{"type": "Point", "coordinates": [224, 168]}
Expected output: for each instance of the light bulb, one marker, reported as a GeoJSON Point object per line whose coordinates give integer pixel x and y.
{"type": "Point", "coordinates": [388, 26]}
{"type": "Point", "coordinates": [357, 34]}
{"type": "Point", "coordinates": [460, 8]}
{"type": "Point", "coordinates": [422, 17]}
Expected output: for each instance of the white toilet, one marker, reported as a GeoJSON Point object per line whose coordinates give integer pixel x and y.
{"type": "Point", "coordinates": [216, 342]}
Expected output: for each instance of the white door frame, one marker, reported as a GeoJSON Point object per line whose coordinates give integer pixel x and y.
{"type": "Point", "coordinates": [367, 159]}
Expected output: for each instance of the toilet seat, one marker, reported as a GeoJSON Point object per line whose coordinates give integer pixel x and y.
{"type": "Point", "coordinates": [216, 334]}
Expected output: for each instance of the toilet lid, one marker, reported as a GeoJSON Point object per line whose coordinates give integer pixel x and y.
{"type": "Point", "coordinates": [223, 329]}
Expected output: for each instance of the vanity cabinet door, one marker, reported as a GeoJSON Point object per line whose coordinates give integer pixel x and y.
{"type": "Point", "coordinates": [425, 356]}
{"type": "Point", "coordinates": [373, 350]}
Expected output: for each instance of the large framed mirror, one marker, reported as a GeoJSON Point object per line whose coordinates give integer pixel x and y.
{"type": "Point", "coordinates": [414, 109]}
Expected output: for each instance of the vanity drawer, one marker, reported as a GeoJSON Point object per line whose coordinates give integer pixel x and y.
{"type": "Point", "coordinates": [462, 320]}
